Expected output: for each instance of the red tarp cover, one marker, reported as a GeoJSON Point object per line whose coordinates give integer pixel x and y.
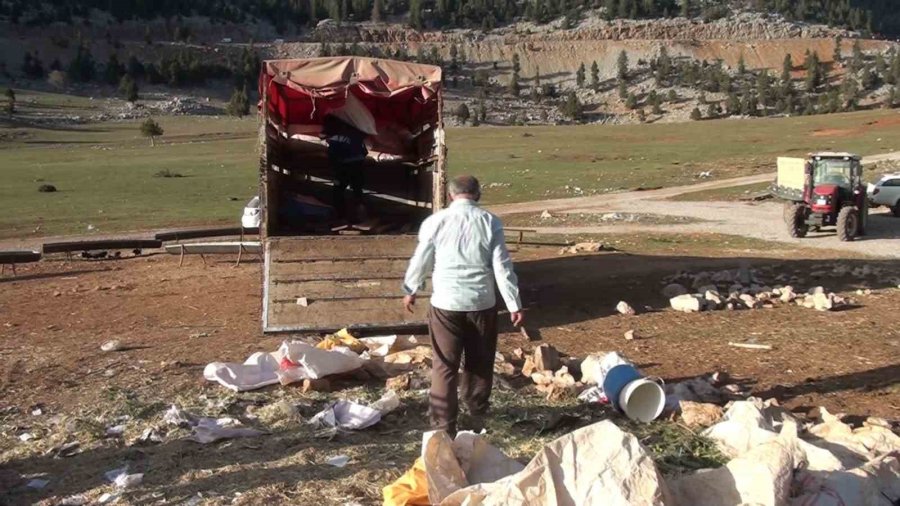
{"type": "Point", "coordinates": [302, 91]}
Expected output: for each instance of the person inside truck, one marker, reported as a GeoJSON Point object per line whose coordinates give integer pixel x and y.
{"type": "Point", "coordinates": [346, 154]}
{"type": "Point", "coordinates": [464, 247]}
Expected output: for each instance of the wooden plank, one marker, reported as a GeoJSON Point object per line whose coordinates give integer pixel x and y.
{"type": "Point", "coordinates": [348, 281]}
{"type": "Point", "coordinates": [70, 246]}
{"type": "Point", "coordinates": [199, 233]}
{"type": "Point", "coordinates": [19, 256]}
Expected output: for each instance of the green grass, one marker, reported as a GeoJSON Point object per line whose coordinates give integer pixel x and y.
{"type": "Point", "coordinates": [105, 171]}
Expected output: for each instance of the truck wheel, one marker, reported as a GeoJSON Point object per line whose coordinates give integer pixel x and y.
{"type": "Point", "coordinates": [795, 217]}
{"type": "Point", "coordinates": [848, 223]}
{"type": "Point", "coordinates": [896, 209]}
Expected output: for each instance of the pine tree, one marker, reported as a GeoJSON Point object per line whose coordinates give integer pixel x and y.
{"type": "Point", "coordinates": [837, 49]}
{"type": "Point", "coordinates": [622, 66]}
{"type": "Point", "coordinates": [655, 102]}
{"type": "Point", "coordinates": [10, 101]}
{"type": "Point", "coordinates": [891, 99]}
{"type": "Point", "coordinates": [579, 76]}
{"type": "Point", "coordinates": [672, 97]}
{"type": "Point", "coordinates": [516, 67]}
{"type": "Point", "coordinates": [151, 129]}
{"type": "Point", "coordinates": [857, 59]}
{"type": "Point", "coordinates": [128, 88]}
{"type": "Point", "coordinates": [415, 14]}
{"type": "Point", "coordinates": [786, 68]}
{"type": "Point", "coordinates": [82, 67]}
{"type": "Point", "coordinates": [813, 71]}
{"type": "Point", "coordinates": [713, 111]}
{"type": "Point", "coordinates": [113, 71]}
{"type": "Point", "coordinates": [741, 66]}
{"type": "Point", "coordinates": [733, 106]}
{"type": "Point", "coordinates": [686, 11]}
{"type": "Point", "coordinates": [595, 76]}
{"type": "Point", "coordinates": [631, 101]}
{"type": "Point", "coordinates": [462, 113]}
{"type": "Point", "coordinates": [513, 87]}
{"type": "Point", "coordinates": [239, 104]}
{"type": "Point", "coordinates": [764, 87]}
{"type": "Point", "coordinates": [572, 107]}
{"type": "Point", "coordinates": [481, 112]}
{"type": "Point", "coordinates": [377, 10]}
{"type": "Point", "coordinates": [695, 114]}
{"type": "Point", "coordinates": [623, 89]}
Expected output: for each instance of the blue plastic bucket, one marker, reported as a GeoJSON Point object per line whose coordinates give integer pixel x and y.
{"type": "Point", "coordinates": [615, 381]}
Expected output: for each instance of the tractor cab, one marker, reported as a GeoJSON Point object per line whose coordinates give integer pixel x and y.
{"type": "Point", "coordinates": [834, 178]}
{"type": "Point", "coordinates": [823, 190]}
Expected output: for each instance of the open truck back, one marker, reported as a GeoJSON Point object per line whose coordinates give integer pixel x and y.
{"type": "Point", "coordinates": [316, 279]}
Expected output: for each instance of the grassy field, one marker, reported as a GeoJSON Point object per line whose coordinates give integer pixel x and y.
{"type": "Point", "coordinates": [104, 171]}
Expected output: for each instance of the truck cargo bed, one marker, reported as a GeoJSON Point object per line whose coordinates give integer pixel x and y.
{"type": "Point", "coordinates": [344, 280]}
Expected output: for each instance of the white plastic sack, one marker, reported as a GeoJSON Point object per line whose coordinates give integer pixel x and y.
{"type": "Point", "coordinates": [744, 427]}
{"type": "Point", "coordinates": [347, 415]}
{"type": "Point", "coordinates": [595, 367]}
{"type": "Point", "coordinates": [597, 465]}
{"type": "Point", "coordinates": [877, 483]}
{"type": "Point", "coordinates": [481, 461]}
{"type": "Point", "coordinates": [761, 476]}
{"type": "Point", "coordinates": [259, 370]}
{"type": "Point", "coordinates": [320, 363]}
{"type": "Point", "coordinates": [355, 113]}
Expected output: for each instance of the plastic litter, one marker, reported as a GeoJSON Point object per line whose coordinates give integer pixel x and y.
{"type": "Point", "coordinates": [114, 345]}
{"type": "Point", "coordinates": [37, 483]}
{"type": "Point", "coordinates": [338, 460]}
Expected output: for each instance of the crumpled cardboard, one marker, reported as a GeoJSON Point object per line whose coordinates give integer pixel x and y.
{"type": "Point", "coordinates": [761, 476]}
{"type": "Point", "coordinates": [595, 465]}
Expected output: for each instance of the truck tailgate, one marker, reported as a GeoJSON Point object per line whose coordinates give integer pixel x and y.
{"type": "Point", "coordinates": [347, 281]}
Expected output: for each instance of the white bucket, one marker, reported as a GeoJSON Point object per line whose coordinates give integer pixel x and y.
{"type": "Point", "coordinates": [642, 400]}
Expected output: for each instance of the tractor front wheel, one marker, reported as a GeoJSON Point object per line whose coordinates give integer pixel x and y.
{"type": "Point", "coordinates": [795, 217]}
{"type": "Point", "coordinates": [848, 223]}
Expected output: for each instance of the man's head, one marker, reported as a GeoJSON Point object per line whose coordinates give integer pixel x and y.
{"type": "Point", "coordinates": [465, 187]}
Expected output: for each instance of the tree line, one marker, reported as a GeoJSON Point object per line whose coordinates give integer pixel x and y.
{"type": "Point", "coordinates": [873, 15]}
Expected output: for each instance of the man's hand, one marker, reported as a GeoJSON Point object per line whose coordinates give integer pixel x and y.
{"type": "Point", "coordinates": [409, 301]}
{"type": "Point", "coordinates": [517, 317]}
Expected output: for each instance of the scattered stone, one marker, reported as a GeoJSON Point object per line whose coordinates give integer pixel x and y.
{"type": "Point", "coordinates": [528, 368]}
{"type": "Point", "coordinates": [823, 302]}
{"type": "Point", "coordinates": [399, 383]}
{"type": "Point", "coordinates": [787, 294]}
{"type": "Point", "coordinates": [674, 290]}
{"type": "Point", "coordinates": [713, 299]}
{"type": "Point", "coordinates": [624, 308]}
{"type": "Point", "coordinates": [546, 215]}
{"type": "Point", "coordinates": [542, 377]}
{"type": "Point", "coordinates": [630, 335]}
{"type": "Point", "coordinates": [114, 345]}
{"type": "Point", "coordinates": [518, 354]}
{"type": "Point", "coordinates": [546, 358]}
{"type": "Point", "coordinates": [686, 303]}
{"type": "Point", "coordinates": [699, 414]}
{"type": "Point", "coordinates": [749, 300]}
{"type": "Point", "coordinates": [582, 247]}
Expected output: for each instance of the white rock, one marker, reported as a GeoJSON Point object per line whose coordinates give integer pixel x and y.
{"type": "Point", "coordinates": [114, 345]}
{"type": "Point", "coordinates": [624, 308]}
{"type": "Point", "coordinates": [546, 215]}
{"type": "Point", "coordinates": [686, 303]}
{"type": "Point", "coordinates": [815, 290]}
{"type": "Point", "coordinates": [713, 299]}
{"type": "Point", "coordinates": [823, 302]}
{"type": "Point", "coordinates": [630, 335]}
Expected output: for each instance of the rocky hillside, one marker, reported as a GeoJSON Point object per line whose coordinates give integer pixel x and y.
{"type": "Point", "coordinates": [521, 72]}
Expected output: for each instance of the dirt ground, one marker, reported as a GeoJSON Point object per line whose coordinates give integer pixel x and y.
{"type": "Point", "coordinates": [173, 320]}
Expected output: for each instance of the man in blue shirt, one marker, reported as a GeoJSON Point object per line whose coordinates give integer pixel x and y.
{"type": "Point", "coordinates": [465, 248]}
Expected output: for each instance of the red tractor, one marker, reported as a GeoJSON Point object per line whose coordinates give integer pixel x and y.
{"type": "Point", "coordinates": [824, 190]}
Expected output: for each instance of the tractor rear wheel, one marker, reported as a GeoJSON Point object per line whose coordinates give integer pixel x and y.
{"type": "Point", "coordinates": [795, 217]}
{"type": "Point", "coordinates": [848, 223]}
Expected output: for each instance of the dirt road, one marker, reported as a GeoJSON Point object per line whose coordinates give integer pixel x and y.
{"type": "Point", "coordinates": [760, 220]}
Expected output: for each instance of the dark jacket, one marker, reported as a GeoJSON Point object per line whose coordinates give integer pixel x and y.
{"type": "Point", "coordinates": [346, 144]}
